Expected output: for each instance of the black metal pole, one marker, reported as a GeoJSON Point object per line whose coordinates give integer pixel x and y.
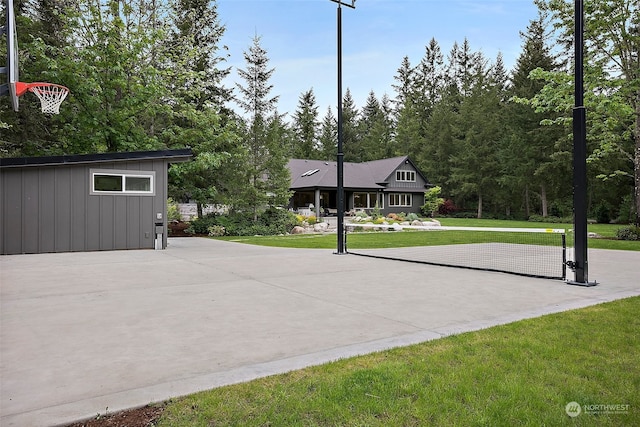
{"type": "Point", "coordinates": [340, 177]}
{"type": "Point", "coordinates": [581, 264]}
{"type": "Point", "coordinates": [340, 159]}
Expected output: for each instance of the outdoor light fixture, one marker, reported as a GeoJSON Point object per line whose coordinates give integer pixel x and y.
{"type": "Point", "coordinates": [340, 177]}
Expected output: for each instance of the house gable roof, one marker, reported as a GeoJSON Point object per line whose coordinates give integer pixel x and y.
{"type": "Point", "coordinates": [374, 175]}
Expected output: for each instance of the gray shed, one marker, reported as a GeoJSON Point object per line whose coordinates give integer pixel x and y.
{"type": "Point", "coordinates": [90, 202]}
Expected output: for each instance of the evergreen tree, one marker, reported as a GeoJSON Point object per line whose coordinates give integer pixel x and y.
{"type": "Point", "coordinates": [475, 166]}
{"type": "Point", "coordinates": [196, 37]}
{"type": "Point", "coordinates": [353, 151]}
{"type": "Point", "coordinates": [263, 182]}
{"type": "Point", "coordinates": [305, 125]}
{"type": "Point", "coordinates": [406, 113]}
{"type": "Point", "coordinates": [429, 81]}
{"type": "Point", "coordinates": [329, 137]}
{"type": "Point", "coordinates": [405, 76]}
{"type": "Point", "coordinates": [375, 129]}
{"type": "Point", "coordinates": [199, 118]}
{"type": "Point", "coordinates": [612, 92]}
{"type": "Point", "coordinates": [528, 164]}
{"type": "Point", "coordinates": [278, 178]}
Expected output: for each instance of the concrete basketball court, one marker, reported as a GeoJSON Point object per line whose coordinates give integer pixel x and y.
{"type": "Point", "coordinates": [86, 333]}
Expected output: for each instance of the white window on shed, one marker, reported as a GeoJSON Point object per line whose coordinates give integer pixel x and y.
{"type": "Point", "coordinates": [138, 183]}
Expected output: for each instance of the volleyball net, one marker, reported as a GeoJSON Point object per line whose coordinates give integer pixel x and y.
{"type": "Point", "coordinates": [533, 252]}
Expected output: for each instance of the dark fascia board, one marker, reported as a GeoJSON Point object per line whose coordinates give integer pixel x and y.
{"type": "Point", "coordinates": [181, 155]}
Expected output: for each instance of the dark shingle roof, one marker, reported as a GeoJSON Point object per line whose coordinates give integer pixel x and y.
{"type": "Point", "coordinates": [172, 155]}
{"type": "Point", "coordinates": [367, 175]}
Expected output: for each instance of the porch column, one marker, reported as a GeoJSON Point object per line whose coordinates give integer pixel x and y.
{"type": "Point", "coordinates": [317, 203]}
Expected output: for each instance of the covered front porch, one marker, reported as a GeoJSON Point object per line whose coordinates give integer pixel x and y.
{"type": "Point", "coordinates": [324, 202]}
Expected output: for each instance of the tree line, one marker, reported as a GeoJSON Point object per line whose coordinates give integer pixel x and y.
{"type": "Point", "coordinates": [148, 74]}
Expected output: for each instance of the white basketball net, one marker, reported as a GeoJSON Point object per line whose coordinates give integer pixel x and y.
{"type": "Point", "coordinates": [50, 95]}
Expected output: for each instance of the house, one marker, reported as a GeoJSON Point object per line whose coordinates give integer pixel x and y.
{"type": "Point", "coordinates": [86, 202]}
{"type": "Point", "coordinates": [394, 185]}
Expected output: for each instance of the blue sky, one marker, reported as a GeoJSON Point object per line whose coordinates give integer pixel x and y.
{"type": "Point", "coordinates": [300, 39]}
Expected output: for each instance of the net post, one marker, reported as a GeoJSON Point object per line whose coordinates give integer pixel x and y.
{"type": "Point", "coordinates": [346, 250]}
{"type": "Point", "coordinates": [564, 256]}
{"type": "Point", "coordinates": [581, 263]}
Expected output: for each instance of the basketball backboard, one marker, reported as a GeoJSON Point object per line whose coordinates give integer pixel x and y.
{"type": "Point", "coordinates": [11, 64]}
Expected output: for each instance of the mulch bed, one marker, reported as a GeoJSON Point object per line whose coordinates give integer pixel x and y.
{"type": "Point", "coordinates": [139, 417]}
{"type": "Point", "coordinates": [176, 229]}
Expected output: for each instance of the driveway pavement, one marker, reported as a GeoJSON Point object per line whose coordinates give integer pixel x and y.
{"type": "Point", "coordinates": [85, 333]}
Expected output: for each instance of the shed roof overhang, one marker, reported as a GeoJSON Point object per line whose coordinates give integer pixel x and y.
{"type": "Point", "coordinates": [173, 156]}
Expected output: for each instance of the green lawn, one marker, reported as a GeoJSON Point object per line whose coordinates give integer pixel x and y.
{"type": "Point", "coordinates": [524, 373]}
{"type": "Point", "coordinates": [396, 239]}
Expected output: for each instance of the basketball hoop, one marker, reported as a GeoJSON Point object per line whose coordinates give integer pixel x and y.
{"type": "Point", "coordinates": [51, 95]}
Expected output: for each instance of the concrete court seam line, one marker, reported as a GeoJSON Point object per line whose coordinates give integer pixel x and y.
{"type": "Point", "coordinates": [337, 304]}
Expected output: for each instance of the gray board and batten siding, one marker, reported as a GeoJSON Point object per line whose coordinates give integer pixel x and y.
{"type": "Point", "coordinates": [49, 204]}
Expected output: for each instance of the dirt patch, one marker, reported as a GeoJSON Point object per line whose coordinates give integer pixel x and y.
{"type": "Point", "coordinates": [147, 416]}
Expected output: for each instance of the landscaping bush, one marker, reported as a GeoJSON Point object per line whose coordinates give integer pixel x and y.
{"type": "Point", "coordinates": [270, 222]}
{"type": "Point", "coordinates": [626, 211]}
{"type": "Point", "coordinates": [603, 213]}
{"type": "Point", "coordinates": [412, 216]}
{"type": "Point", "coordinates": [173, 211]}
{"type": "Point", "coordinates": [216, 231]}
{"type": "Point", "coordinates": [431, 201]}
{"type": "Point", "coordinates": [201, 225]}
{"type": "Point", "coordinates": [551, 219]}
{"type": "Point", "coordinates": [465, 215]}
{"type": "Point", "coordinates": [375, 213]}
{"type": "Point", "coordinates": [447, 208]}
{"type": "Point", "coordinates": [628, 233]}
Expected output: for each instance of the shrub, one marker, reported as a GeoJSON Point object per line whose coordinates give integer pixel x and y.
{"type": "Point", "coordinates": [392, 217]}
{"type": "Point", "coordinates": [378, 220]}
{"type": "Point", "coordinates": [412, 217]}
{"type": "Point", "coordinates": [201, 225]}
{"type": "Point", "coordinates": [551, 219]}
{"type": "Point", "coordinates": [467, 215]}
{"type": "Point", "coordinates": [216, 231]}
{"type": "Point", "coordinates": [626, 211]}
{"type": "Point", "coordinates": [375, 213]}
{"type": "Point", "coordinates": [312, 220]}
{"type": "Point", "coordinates": [270, 222]}
{"type": "Point", "coordinates": [602, 213]}
{"type": "Point", "coordinates": [173, 211]}
{"type": "Point", "coordinates": [628, 233]}
{"type": "Point", "coordinates": [432, 201]}
{"type": "Point", "coordinates": [277, 221]}
{"type": "Point", "coordinates": [447, 208]}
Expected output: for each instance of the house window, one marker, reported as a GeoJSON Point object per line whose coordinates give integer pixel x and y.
{"type": "Point", "coordinates": [366, 200]}
{"type": "Point", "coordinates": [400, 200]}
{"type": "Point", "coordinates": [406, 176]}
{"type": "Point", "coordinates": [138, 183]}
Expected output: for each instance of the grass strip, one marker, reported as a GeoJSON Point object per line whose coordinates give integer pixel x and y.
{"type": "Point", "coordinates": [523, 373]}
{"type": "Point", "coordinates": [394, 239]}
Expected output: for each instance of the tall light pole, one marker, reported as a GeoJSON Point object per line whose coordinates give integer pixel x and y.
{"type": "Point", "coordinates": [580, 263]}
{"type": "Point", "coordinates": [340, 227]}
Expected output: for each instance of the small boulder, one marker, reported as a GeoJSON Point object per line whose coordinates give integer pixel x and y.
{"type": "Point", "coordinates": [297, 230]}
{"type": "Point", "coordinates": [320, 227]}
